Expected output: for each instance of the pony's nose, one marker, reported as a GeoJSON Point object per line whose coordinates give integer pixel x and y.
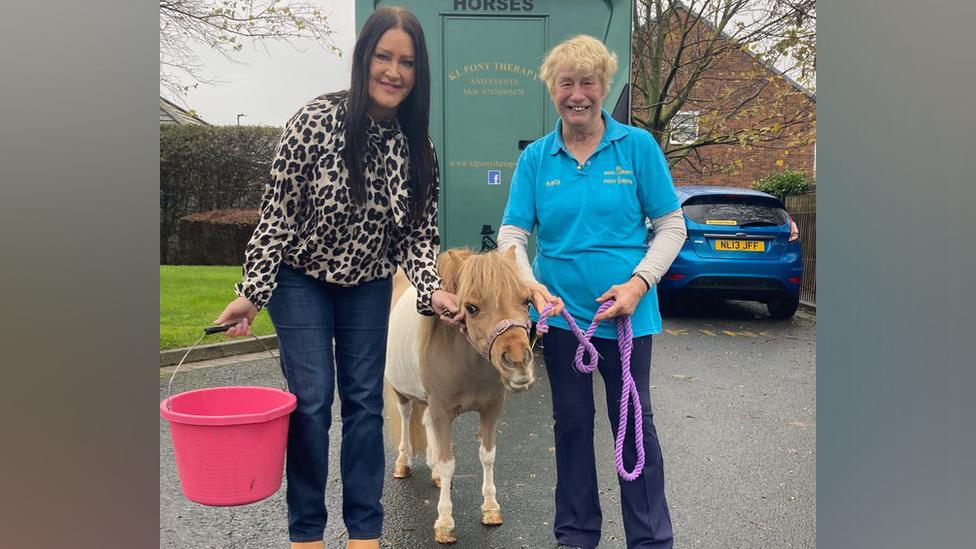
{"type": "Point", "coordinates": [519, 359]}
{"type": "Point", "coordinates": [516, 349]}
{"type": "Point", "coordinates": [520, 367]}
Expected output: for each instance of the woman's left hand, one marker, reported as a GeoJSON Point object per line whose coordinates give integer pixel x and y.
{"type": "Point", "coordinates": [445, 305]}
{"type": "Point", "coordinates": [626, 296]}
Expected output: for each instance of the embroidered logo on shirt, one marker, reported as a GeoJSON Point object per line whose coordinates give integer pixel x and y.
{"type": "Point", "coordinates": [615, 176]}
{"type": "Point", "coordinates": [552, 183]}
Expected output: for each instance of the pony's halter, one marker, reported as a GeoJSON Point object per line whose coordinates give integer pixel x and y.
{"type": "Point", "coordinates": [500, 328]}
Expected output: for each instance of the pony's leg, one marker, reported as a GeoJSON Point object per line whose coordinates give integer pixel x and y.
{"type": "Point", "coordinates": [441, 424]}
{"type": "Point", "coordinates": [402, 467]}
{"type": "Point", "coordinates": [435, 475]}
{"type": "Point", "coordinates": [491, 512]}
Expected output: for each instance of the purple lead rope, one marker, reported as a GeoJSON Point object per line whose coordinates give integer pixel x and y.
{"type": "Point", "coordinates": [628, 391]}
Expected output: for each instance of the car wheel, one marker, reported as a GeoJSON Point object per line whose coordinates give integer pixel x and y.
{"type": "Point", "coordinates": [784, 308]}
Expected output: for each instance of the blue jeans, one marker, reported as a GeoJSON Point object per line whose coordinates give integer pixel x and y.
{"type": "Point", "coordinates": [308, 314]}
{"type": "Point", "coordinates": [647, 521]}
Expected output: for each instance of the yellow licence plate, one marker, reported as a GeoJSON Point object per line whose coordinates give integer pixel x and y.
{"type": "Point", "coordinates": [740, 246]}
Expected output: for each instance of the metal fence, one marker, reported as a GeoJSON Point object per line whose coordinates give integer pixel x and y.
{"type": "Point", "coordinates": [803, 209]}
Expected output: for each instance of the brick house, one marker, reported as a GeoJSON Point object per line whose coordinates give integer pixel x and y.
{"type": "Point", "coordinates": [781, 105]}
{"type": "Point", "coordinates": [171, 113]}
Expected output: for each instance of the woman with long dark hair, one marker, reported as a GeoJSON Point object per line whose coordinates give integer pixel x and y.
{"type": "Point", "coordinates": [352, 195]}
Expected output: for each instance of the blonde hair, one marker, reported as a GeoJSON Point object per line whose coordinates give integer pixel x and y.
{"type": "Point", "coordinates": [585, 53]}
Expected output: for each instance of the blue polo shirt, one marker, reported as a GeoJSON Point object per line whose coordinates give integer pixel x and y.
{"type": "Point", "coordinates": [590, 218]}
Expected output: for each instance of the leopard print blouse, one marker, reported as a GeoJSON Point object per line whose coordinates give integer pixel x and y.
{"type": "Point", "coordinates": [309, 221]}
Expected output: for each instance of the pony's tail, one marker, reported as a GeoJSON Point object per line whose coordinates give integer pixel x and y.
{"type": "Point", "coordinates": [418, 434]}
{"type": "Point", "coordinates": [391, 415]}
{"type": "Point", "coordinates": [394, 423]}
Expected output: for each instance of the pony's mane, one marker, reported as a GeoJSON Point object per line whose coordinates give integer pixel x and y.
{"type": "Point", "coordinates": [485, 277]}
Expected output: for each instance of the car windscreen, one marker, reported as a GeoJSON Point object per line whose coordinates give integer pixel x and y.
{"type": "Point", "coordinates": [743, 211]}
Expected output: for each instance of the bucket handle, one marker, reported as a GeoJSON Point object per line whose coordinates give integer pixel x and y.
{"type": "Point", "coordinates": [209, 330]}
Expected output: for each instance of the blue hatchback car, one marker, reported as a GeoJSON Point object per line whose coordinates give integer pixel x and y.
{"type": "Point", "coordinates": [741, 245]}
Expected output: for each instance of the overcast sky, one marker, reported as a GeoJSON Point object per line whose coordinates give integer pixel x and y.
{"type": "Point", "coordinates": [273, 84]}
{"type": "Point", "coordinates": [274, 81]}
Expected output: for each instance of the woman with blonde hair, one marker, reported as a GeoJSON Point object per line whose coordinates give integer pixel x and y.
{"type": "Point", "coordinates": [586, 189]}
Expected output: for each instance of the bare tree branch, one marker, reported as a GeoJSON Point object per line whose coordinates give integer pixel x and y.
{"type": "Point", "coordinates": [225, 26]}
{"type": "Point", "coordinates": [688, 56]}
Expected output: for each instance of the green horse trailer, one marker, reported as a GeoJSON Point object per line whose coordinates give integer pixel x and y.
{"type": "Point", "coordinates": [487, 101]}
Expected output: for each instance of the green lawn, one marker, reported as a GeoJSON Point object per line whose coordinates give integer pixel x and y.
{"type": "Point", "coordinates": [190, 298]}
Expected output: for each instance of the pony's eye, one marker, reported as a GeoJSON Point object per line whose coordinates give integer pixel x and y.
{"type": "Point", "coordinates": [527, 303]}
{"type": "Point", "coordinates": [472, 309]}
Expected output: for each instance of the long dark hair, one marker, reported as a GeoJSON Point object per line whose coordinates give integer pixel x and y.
{"type": "Point", "coordinates": [413, 113]}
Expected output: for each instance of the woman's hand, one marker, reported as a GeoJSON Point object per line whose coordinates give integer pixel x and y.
{"type": "Point", "coordinates": [541, 296]}
{"type": "Point", "coordinates": [626, 297]}
{"type": "Point", "coordinates": [240, 311]}
{"type": "Point", "coordinates": [445, 305]}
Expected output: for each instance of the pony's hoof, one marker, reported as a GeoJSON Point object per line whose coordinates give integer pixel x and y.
{"type": "Point", "coordinates": [401, 471]}
{"type": "Point", "coordinates": [444, 535]}
{"type": "Point", "coordinates": [437, 481]}
{"type": "Point", "coordinates": [491, 517]}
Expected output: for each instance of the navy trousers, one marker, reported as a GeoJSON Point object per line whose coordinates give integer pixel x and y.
{"type": "Point", "coordinates": [647, 522]}
{"type": "Point", "coordinates": [309, 315]}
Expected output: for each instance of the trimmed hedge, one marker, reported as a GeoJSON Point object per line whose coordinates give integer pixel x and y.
{"type": "Point", "coordinates": [216, 237]}
{"type": "Point", "coordinates": [204, 168]}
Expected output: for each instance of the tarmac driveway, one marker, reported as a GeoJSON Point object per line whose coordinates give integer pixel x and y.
{"type": "Point", "coordinates": [734, 398]}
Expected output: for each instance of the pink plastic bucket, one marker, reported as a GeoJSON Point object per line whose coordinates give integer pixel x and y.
{"type": "Point", "coordinates": [229, 442]}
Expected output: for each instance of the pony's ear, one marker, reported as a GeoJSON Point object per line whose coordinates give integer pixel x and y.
{"type": "Point", "coordinates": [509, 255]}
{"type": "Point", "coordinates": [449, 264]}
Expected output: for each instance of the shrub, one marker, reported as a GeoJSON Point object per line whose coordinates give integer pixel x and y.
{"type": "Point", "coordinates": [204, 168]}
{"type": "Point", "coordinates": [216, 237]}
{"type": "Point", "coordinates": [782, 184]}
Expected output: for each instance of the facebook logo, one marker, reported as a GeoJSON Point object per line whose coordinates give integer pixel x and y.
{"type": "Point", "coordinates": [494, 177]}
